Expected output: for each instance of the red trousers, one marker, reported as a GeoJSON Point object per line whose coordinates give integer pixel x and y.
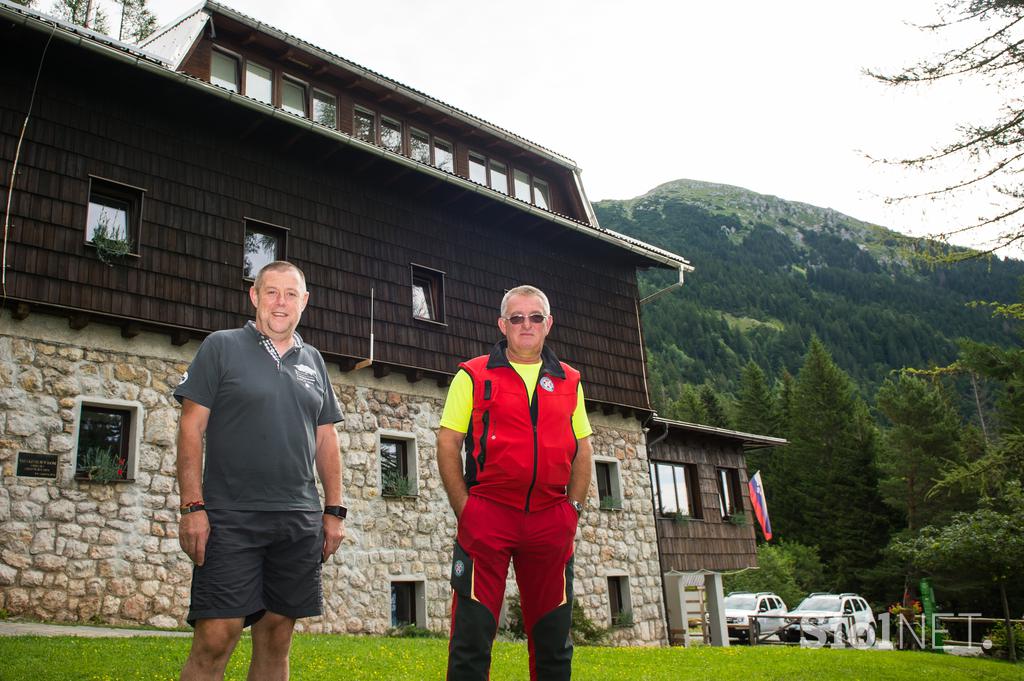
{"type": "Point", "coordinates": [540, 545]}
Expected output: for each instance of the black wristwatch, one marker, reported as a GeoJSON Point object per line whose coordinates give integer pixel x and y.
{"type": "Point", "coordinates": [339, 511]}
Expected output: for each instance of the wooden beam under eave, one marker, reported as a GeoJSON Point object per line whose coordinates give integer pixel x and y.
{"type": "Point", "coordinates": [414, 375]}
{"type": "Point", "coordinates": [293, 140]}
{"type": "Point", "coordinates": [78, 321]}
{"type": "Point", "coordinates": [381, 370]}
{"type": "Point", "coordinates": [398, 175]}
{"type": "Point", "coordinates": [21, 311]}
{"type": "Point", "coordinates": [253, 127]}
{"type": "Point", "coordinates": [179, 337]}
{"type": "Point", "coordinates": [607, 409]}
{"type": "Point", "coordinates": [444, 380]}
{"type": "Point", "coordinates": [130, 330]}
{"type": "Point", "coordinates": [347, 364]}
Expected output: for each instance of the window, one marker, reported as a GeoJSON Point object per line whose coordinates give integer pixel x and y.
{"type": "Point", "coordinates": [531, 190]}
{"type": "Point", "coordinates": [325, 109]}
{"type": "Point", "coordinates": [263, 245]}
{"type": "Point", "coordinates": [224, 71]}
{"type": "Point", "coordinates": [729, 500]}
{"type": "Point", "coordinates": [619, 601]}
{"type": "Point", "coordinates": [499, 176]}
{"type": "Point", "coordinates": [419, 146]}
{"type": "Point", "coordinates": [675, 489]}
{"type": "Point", "coordinates": [609, 494]}
{"type": "Point", "coordinates": [477, 168]}
{"type": "Point", "coordinates": [115, 211]}
{"type": "Point", "coordinates": [107, 440]}
{"type": "Point", "coordinates": [364, 126]}
{"type": "Point", "coordinates": [397, 464]}
{"type": "Point", "coordinates": [521, 182]}
{"type": "Point", "coordinates": [427, 294]}
{"type": "Point", "coordinates": [488, 172]}
{"type": "Point", "coordinates": [391, 135]}
{"type": "Point", "coordinates": [258, 83]}
{"type": "Point", "coordinates": [407, 604]}
{"type": "Point", "coordinates": [541, 196]}
{"type": "Point", "coordinates": [293, 97]}
{"type": "Point", "coordinates": [444, 155]}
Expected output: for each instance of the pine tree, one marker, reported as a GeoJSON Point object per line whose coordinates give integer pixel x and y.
{"type": "Point", "coordinates": [688, 407]}
{"type": "Point", "coordinates": [78, 11]}
{"type": "Point", "coordinates": [713, 407]}
{"type": "Point", "coordinates": [827, 485]}
{"type": "Point", "coordinates": [921, 440]}
{"type": "Point", "coordinates": [137, 22]}
{"type": "Point", "coordinates": [755, 409]}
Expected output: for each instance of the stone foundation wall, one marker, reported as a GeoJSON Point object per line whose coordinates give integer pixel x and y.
{"type": "Point", "coordinates": [73, 550]}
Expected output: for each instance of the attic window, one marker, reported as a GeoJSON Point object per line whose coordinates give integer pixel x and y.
{"type": "Point", "coordinates": [427, 294]}
{"type": "Point", "coordinates": [258, 83]}
{"type": "Point", "coordinates": [488, 172]}
{"type": "Point", "coordinates": [477, 168]}
{"type": "Point", "coordinates": [293, 96]}
{"type": "Point", "coordinates": [391, 135]}
{"type": "Point", "coordinates": [419, 146]}
{"type": "Point", "coordinates": [363, 125]}
{"type": "Point", "coordinates": [444, 156]}
{"type": "Point", "coordinates": [541, 194]}
{"type": "Point", "coordinates": [325, 109]}
{"type": "Point", "coordinates": [224, 71]}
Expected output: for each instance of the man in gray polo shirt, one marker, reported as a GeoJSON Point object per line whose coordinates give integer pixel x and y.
{"type": "Point", "coordinates": [251, 521]}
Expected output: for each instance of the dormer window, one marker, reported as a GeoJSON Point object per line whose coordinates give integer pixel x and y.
{"type": "Point", "coordinates": [293, 96]}
{"type": "Point", "coordinates": [258, 83]}
{"type": "Point", "coordinates": [444, 156]}
{"type": "Point", "coordinates": [498, 176]}
{"type": "Point", "coordinates": [477, 168]}
{"type": "Point", "coordinates": [391, 135]}
{"type": "Point", "coordinates": [488, 172]}
{"type": "Point", "coordinates": [541, 194]}
{"type": "Point", "coordinates": [224, 71]}
{"type": "Point", "coordinates": [364, 125]}
{"type": "Point", "coordinates": [419, 146]}
{"type": "Point", "coordinates": [325, 109]}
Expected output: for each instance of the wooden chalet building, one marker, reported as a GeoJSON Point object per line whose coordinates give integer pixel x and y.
{"type": "Point", "coordinates": [217, 145]}
{"type": "Point", "coordinates": [705, 521]}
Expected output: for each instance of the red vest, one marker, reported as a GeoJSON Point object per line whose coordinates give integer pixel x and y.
{"type": "Point", "coordinates": [520, 453]}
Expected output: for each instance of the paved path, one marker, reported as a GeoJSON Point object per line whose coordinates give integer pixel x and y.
{"type": "Point", "coordinates": [9, 628]}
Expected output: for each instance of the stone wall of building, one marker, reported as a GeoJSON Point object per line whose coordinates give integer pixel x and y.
{"type": "Point", "coordinates": [73, 550]}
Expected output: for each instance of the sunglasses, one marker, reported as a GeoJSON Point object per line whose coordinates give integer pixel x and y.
{"type": "Point", "coordinates": [535, 318]}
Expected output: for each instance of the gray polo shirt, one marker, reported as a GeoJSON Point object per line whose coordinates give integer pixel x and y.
{"type": "Point", "coordinates": [264, 412]}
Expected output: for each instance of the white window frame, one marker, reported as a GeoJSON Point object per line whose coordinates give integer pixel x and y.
{"type": "Point", "coordinates": [325, 96]}
{"type": "Point", "coordinates": [413, 132]}
{"type": "Point", "coordinates": [420, 582]}
{"type": "Point", "coordinates": [616, 481]}
{"type": "Point", "coordinates": [239, 67]}
{"type": "Point", "coordinates": [286, 80]}
{"type": "Point", "coordinates": [356, 110]}
{"type": "Point", "coordinates": [438, 141]}
{"type": "Point", "coordinates": [412, 456]}
{"type": "Point", "coordinates": [389, 121]}
{"type": "Point", "coordinates": [270, 79]}
{"type": "Point", "coordinates": [134, 434]}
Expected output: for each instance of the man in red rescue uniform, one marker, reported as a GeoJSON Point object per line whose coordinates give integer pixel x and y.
{"type": "Point", "coordinates": [521, 415]}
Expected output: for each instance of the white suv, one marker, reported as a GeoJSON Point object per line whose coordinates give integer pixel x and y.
{"type": "Point", "coordinates": [832, 618]}
{"type": "Point", "coordinates": [740, 605]}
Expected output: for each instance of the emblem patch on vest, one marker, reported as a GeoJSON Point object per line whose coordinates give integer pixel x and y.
{"type": "Point", "coordinates": [460, 568]}
{"type": "Point", "coordinates": [547, 384]}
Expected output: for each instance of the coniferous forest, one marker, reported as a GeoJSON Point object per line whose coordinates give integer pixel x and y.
{"type": "Point", "coordinates": [893, 381]}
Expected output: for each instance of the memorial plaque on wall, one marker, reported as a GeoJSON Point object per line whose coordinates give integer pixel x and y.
{"type": "Point", "coordinates": [37, 465]}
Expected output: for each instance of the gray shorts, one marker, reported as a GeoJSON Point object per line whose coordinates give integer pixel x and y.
{"type": "Point", "coordinates": [258, 561]}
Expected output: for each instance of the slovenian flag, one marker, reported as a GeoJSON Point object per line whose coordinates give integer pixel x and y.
{"type": "Point", "coordinates": [760, 505]}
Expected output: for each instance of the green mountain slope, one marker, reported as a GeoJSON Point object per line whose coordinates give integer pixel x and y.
{"type": "Point", "coordinates": [770, 274]}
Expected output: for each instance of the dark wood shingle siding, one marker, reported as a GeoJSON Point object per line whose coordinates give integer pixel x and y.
{"type": "Point", "coordinates": [354, 222]}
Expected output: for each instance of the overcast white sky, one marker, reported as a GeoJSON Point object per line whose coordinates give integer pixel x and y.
{"type": "Point", "coordinates": [766, 96]}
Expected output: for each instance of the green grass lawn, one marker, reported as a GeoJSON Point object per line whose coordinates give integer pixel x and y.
{"type": "Point", "coordinates": [345, 658]}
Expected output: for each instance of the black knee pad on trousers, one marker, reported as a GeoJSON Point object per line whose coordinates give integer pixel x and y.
{"type": "Point", "coordinates": [552, 644]}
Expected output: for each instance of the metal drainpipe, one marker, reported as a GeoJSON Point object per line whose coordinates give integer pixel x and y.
{"type": "Point", "coordinates": [661, 563]}
{"type": "Point", "coordinates": [667, 289]}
